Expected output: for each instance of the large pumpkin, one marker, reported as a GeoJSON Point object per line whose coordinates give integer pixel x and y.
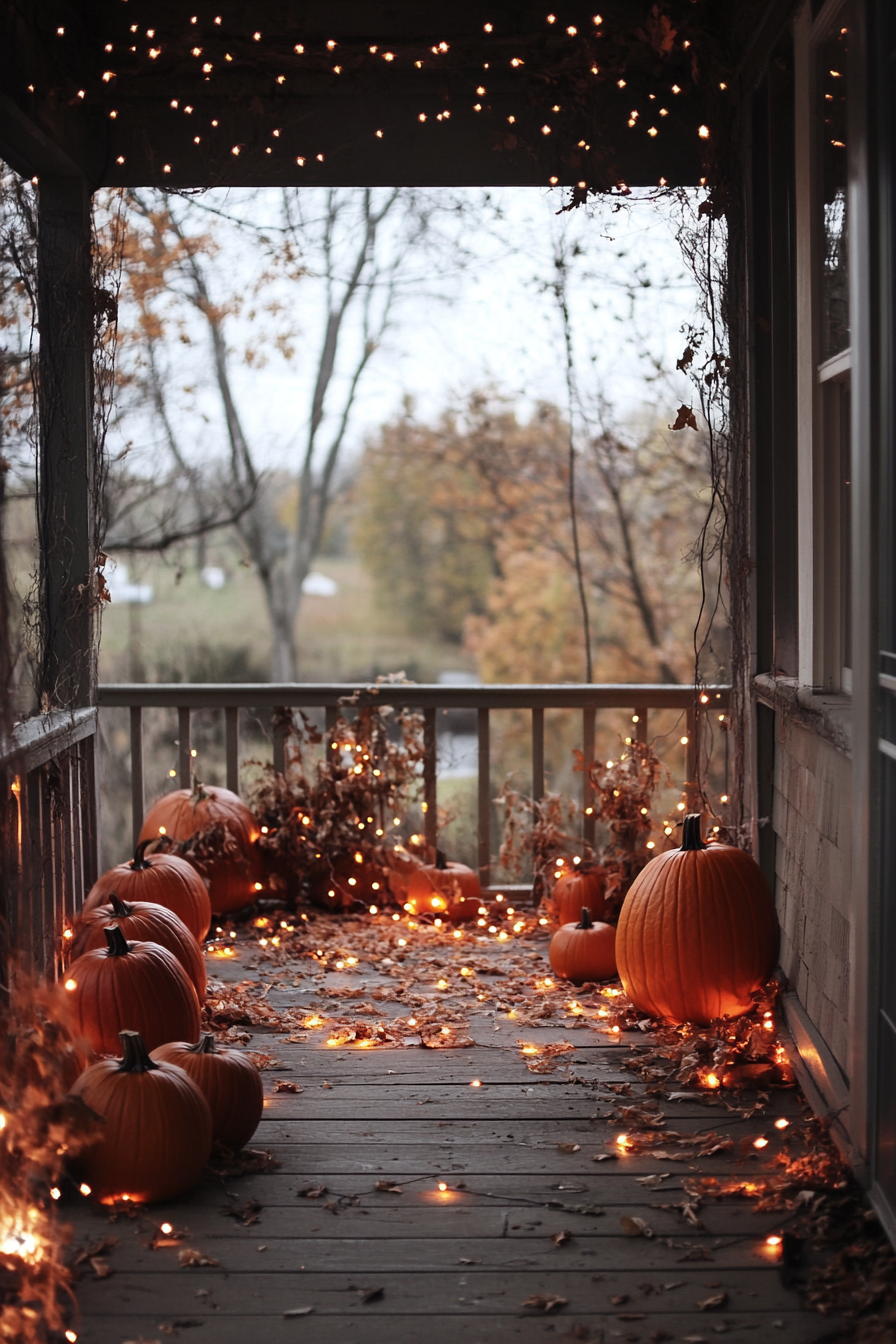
{"type": "Point", "coordinates": [131, 987]}
{"type": "Point", "coordinates": [163, 879]}
{"type": "Point", "coordinates": [449, 890]}
{"type": "Point", "coordinates": [697, 933]}
{"type": "Point", "coordinates": [584, 951]}
{"type": "Point", "coordinates": [576, 891]}
{"type": "Point", "coordinates": [223, 841]}
{"type": "Point", "coordinates": [156, 1134]}
{"type": "Point", "coordinates": [142, 921]}
{"type": "Point", "coordinates": [229, 1081]}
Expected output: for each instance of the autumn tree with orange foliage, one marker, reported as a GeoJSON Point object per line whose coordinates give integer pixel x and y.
{"type": "Point", "coordinates": [465, 524]}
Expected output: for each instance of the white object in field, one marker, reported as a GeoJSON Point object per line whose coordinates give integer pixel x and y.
{"type": "Point", "coordinates": [213, 577]}
{"type": "Point", "coordinates": [319, 585]}
{"type": "Point", "coordinates": [121, 589]}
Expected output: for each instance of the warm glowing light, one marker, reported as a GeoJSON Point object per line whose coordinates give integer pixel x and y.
{"type": "Point", "coordinates": [530, 1049]}
{"type": "Point", "coordinates": [476, 1083]}
{"type": "Point", "coordinates": [622, 1141]}
{"type": "Point", "coordinates": [712, 1080]}
{"type": "Point", "coordinates": [703, 132]}
{"type": "Point", "coordinates": [166, 1228]}
{"type": "Point", "coordinates": [412, 1021]}
{"type": "Point", "coordinates": [71, 1336]}
{"type": "Point", "coordinates": [374, 910]}
{"type": "Point", "coordinates": [773, 1241]}
{"type": "Point", "coordinates": [442, 1185]}
{"type": "Point", "coordinates": [542, 920]}
{"type": "Point", "coordinates": [84, 1188]}
{"type": "Point", "coordinates": [402, 942]}
{"type": "Point", "coordinates": [457, 933]}
{"type": "Point", "coordinates": [650, 845]}
{"type": "Point", "coordinates": [55, 1193]}
{"type": "Point", "coordinates": [71, 984]}
{"type": "Point", "coordinates": [782, 1123]}
{"type": "Point", "coordinates": [163, 830]}
{"type": "Point", "coordinates": [760, 1143]}
{"type": "Point", "coordinates": [724, 798]}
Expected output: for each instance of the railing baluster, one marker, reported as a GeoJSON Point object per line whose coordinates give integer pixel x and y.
{"type": "Point", "coordinates": [589, 717]}
{"type": "Point", "coordinates": [641, 726]}
{"type": "Point", "coordinates": [430, 809]}
{"type": "Point", "coordinates": [691, 792]}
{"type": "Point", "coordinates": [138, 786]}
{"type": "Point", "coordinates": [537, 754]}
{"type": "Point", "coordinates": [485, 800]}
{"type": "Point", "coordinates": [232, 746]}
{"type": "Point", "coordinates": [279, 731]}
{"type": "Point", "coordinates": [184, 756]}
{"type": "Point", "coordinates": [332, 713]}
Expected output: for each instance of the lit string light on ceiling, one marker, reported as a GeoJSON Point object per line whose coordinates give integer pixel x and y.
{"type": "Point", "coordinates": [191, 93]}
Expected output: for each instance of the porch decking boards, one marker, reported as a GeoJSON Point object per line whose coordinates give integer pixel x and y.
{"type": "Point", "coordinates": [457, 1265]}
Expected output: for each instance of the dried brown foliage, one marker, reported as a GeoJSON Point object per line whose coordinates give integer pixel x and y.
{"type": "Point", "coordinates": [40, 1128]}
{"type": "Point", "coordinates": [320, 815]}
{"type": "Point", "coordinates": [624, 793]}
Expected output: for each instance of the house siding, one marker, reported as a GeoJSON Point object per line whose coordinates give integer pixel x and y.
{"type": "Point", "coordinates": [812, 821]}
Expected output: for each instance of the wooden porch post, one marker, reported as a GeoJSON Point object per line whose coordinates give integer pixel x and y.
{"type": "Point", "coordinates": [66, 468]}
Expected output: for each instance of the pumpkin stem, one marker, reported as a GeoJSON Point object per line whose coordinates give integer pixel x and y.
{"type": "Point", "coordinates": [205, 1045]}
{"type": "Point", "coordinates": [118, 944]}
{"type": "Point", "coordinates": [119, 908]}
{"type": "Point", "coordinates": [198, 794]}
{"type": "Point", "coordinates": [139, 861]}
{"type": "Point", "coordinates": [441, 861]}
{"type": "Point", "coordinates": [586, 922]}
{"type": "Point", "coordinates": [136, 1056]}
{"type": "Point", "coordinates": [690, 832]}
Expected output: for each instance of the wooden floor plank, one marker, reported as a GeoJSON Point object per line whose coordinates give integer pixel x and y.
{"type": "Point", "coordinates": [371, 1325]}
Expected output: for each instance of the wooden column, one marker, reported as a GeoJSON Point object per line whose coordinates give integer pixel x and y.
{"type": "Point", "coordinates": [67, 477]}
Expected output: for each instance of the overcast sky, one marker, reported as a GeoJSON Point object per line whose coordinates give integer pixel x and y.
{"type": "Point", "coordinates": [490, 321]}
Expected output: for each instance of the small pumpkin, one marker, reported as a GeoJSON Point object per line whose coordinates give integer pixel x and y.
{"type": "Point", "coordinates": [163, 879]}
{"type": "Point", "coordinates": [229, 1081]}
{"type": "Point", "coordinates": [445, 889]}
{"type": "Point", "coordinates": [156, 1134]}
{"type": "Point", "coordinates": [577, 890]}
{"type": "Point", "coordinates": [698, 933]}
{"type": "Point", "coordinates": [142, 921]}
{"type": "Point", "coordinates": [218, 835]}
{"type": "Point", "coordinates": [584, 951]}
{"type": "Point", "coordinates": [131, 987]}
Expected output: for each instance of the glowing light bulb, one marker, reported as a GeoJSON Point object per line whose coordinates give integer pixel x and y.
{"type": "Point", "coordinates": [166, 1228]}
{"type": "Point", "coordinates": [374, 910]}
{"type": "Point", "coordinates": [782, 1123]}
{"type": "Point", "coordinates": [84, 1188]}
{"type": "Point", "coordinates": [443, 1186]}
{"type": "Point", "coordinates": [71, 984]}
{"type": "Point", "coordinates": [760, 1143]}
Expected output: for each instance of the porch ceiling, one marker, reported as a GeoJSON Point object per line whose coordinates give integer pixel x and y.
{"type": "Point", "coordinates": [99, 96]}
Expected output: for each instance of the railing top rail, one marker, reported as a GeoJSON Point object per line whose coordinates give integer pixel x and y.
{"type": "Point", "coordinates": [258, 695]}
{"type": "Point", "coordinates": [37, 740]}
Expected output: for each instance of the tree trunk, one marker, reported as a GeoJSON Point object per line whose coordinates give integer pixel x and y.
{"type": "Point", "coordinates": [283, 646]}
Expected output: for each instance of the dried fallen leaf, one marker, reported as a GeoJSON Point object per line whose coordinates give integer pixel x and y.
{"type": "Point", "coordinates": [388, 1187]}
{"type": "Point", "coordinates": [189, 1258]}
{"type": "Point", "coordinates": [298, 1311]}
{"type": "Point", "coordinates": [312, 1191]}
{"type": "Point", "coordinates": [98, 1247]}
{"type": "Point", "coordinates": [713, 1303]}
{"type": "Point", "coordinates": [635, 1227]}
{"type": "Point", "coordinates": [653, 1182]}
{"type": "Point", "coordinates": [619, 1300]}
{"type": "Point", "coordinates": [696, 1253]}
{"type": "Point", "coordinates": [603, 1157]}
{"type": "Point", "coordinates": [101, 1267]}
{"type": "Point", "coordinates": [561, 1238]}
{"type": "Point", "coordinates": [283, 1085]}
{"type": "Point", "coordinates": [541, 1302]}
{"type": "Point", "coordinates": [569, 1147]}
{"type": "Point", "coordinates": [632, 1316]}
{"type": "Point", "coordinates": [372, 1294]}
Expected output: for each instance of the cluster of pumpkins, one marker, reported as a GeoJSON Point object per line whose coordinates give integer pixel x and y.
{"type": "Point", "coordinates": [697, 934]}
{"type": "Point", "coordinates": [136, 983]}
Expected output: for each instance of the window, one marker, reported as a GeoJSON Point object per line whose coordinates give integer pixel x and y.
{"type": "Point", "coordinates": [824, 356]}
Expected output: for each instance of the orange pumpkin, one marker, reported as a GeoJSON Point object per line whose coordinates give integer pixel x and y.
{"type": "Point", "coordinates": [219, 836]}
{"type": "Point", "coordinates": [156, 1135]}
{"type": "Point", "coordinates": [163, 879]}
{"type": "Point", "coordinates": [577, 890]}
{"type": "Point", "coordinates": [229, 1081]}
{"type": "Point", "coordinates": [697, 933]}
{"type": "Point", "coordinates": [142, 922]}
{"type": "Point", "coordinates": [131, 987]}
{"type": "Point", "coordinates": [448, 890]}
{"type": "Point", "coordinates": [584, 951]}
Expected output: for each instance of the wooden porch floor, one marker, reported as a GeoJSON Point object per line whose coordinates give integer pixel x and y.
{"type": "Point", "coordinates": [356, 1263]}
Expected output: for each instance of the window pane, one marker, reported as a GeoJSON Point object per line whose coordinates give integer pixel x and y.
{"type": "Point", "coordinates": [832, 86]}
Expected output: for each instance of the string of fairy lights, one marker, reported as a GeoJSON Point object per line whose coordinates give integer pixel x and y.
{"type": "Point", "coordinates": [218, 82]}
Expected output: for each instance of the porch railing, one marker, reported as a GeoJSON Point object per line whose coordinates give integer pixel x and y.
{"type": "Point", "coordinates": [50, 837]}
{"type": "Point", "coordinates": [430, 699]}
